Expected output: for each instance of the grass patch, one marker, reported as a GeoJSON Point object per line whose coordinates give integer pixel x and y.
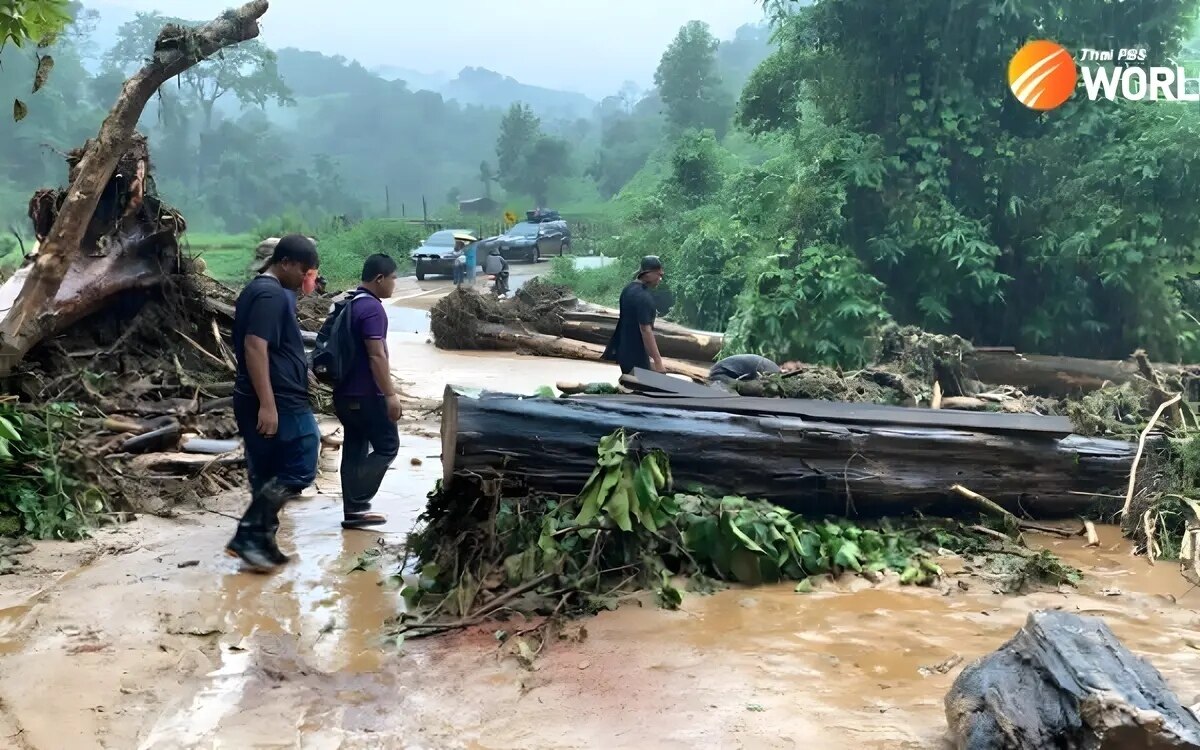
{"type": "Point", "coordinates": [600, 286]}
{"type": "Point", "coordinates": [230, 257]}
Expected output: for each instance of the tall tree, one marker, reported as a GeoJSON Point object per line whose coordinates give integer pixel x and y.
{"type": "Point", "coordinates": [528, 158]}
{"type": "Point", "coordinates": [249, 71]}
{"type": "Point", "coordinates": [689, 84]}
{"type": "Point", "coordinates": [518, 131]}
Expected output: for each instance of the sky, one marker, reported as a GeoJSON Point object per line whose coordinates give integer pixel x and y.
{"type": "Point", "coordinates": [590, 46]}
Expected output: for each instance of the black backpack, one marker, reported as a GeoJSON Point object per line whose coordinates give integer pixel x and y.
{"type": "Point", "coordinates": [333, 354]}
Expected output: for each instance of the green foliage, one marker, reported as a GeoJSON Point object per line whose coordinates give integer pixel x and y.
{"type": "Point", "coordinates": [343, 252]}
{"type": "Point", "coordinates": [626, 532]}
{"type": "Point", "coordinates": [689, 84]}
{"type": "Point", "coordinates": [977, 215]}
{"type": "Point", "coordinates": [528, 158]}
{"type": "Point", "coordinates": [601, 286]}
{"type": "Point", "coordinates": [41, 483]}
{"type": "Point", "coordinates": [39, 21]}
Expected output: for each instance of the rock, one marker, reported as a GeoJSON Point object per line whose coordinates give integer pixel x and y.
{"type": "Point", "coordinates": [416, 461]}
{"type": "Point", "coordinates": [1065, 681]}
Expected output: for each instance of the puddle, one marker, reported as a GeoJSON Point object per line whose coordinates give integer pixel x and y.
{"type": "Point", "coordinates": [407, 320]}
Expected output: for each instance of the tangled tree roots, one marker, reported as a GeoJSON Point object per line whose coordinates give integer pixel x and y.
{"type": "Point", "coordinates": [537, 306]}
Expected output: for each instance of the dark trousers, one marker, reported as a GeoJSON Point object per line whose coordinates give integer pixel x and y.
{"type": "Point", "coordinates": [289, 458]}
{"type": "Point", "coordinates": [370, 445]}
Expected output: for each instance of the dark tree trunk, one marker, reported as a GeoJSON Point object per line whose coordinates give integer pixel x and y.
{"type": "Point", "coordinates": [815, 466]}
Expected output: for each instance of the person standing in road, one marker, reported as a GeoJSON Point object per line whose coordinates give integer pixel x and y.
{"type": "Point", "coordinates": [633, 343]}
{"type": "Point", "coordinates": [472, 262]}
{"type": "Point", "coordinates": [270, 398]}
{"type": "Point", "coordinates": [366, 401]}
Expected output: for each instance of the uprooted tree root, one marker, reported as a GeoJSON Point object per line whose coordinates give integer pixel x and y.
{"type": "Point", "coordinates": [160, 357]}
{"type": "Point", "coordinates": [487, 554]}
{"type": "Point", "coordinates": [536, 306]}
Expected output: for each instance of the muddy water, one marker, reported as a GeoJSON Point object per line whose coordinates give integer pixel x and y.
{"type": "Point", "coordinates": [168, 646]}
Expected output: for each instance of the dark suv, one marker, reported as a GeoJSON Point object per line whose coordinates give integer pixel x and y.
{"type": "Point", "coordinates": [542, 234]}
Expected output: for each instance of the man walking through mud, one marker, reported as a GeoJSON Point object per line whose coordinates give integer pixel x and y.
{"type": "Point", "coordinates": [633, 343]}
{"type": "Point", "coordinates": [270, 398]}
{"type": "Point", "coordinates": [366, 401]}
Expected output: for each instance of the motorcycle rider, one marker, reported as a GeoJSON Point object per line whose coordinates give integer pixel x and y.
{"type": "Point", "coordinates": [496, 265]}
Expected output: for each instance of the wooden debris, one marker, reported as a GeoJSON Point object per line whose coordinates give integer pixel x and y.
{"type": "Point", "coordinates": [803, 463]}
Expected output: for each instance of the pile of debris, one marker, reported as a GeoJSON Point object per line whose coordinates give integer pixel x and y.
{"type": "Point", "coordinates": [630, 530]}
{"type": "Point", "coordinates": [547, 320]}
{"type": "Point", "coordinates": [138, 372]}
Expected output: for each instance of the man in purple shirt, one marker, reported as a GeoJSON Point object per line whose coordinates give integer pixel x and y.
{"type": "Point", "coordinates": [366, 401]}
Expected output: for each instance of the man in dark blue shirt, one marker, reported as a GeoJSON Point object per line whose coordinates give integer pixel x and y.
{"type": "Point", "coordinates": [633, 343]}
{"type": "Point", "coordinates": [270, 398]}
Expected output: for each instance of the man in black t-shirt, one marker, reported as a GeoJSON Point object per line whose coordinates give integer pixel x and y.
{"type": "Point", "coordinates": [270, 398]}
{"type": "Point", "coordinates": [633, 344]}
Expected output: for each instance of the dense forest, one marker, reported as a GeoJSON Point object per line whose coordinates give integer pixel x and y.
{"type": "Point", "coordinates": [261, 134]}
{"type": "Point", "coordinates": [837, 168]}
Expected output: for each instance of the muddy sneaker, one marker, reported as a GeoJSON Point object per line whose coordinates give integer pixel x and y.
{"type": "Point", "coordinates": [253, 548]}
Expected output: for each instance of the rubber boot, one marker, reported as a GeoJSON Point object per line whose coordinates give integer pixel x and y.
{"type": "Point", "coordinates": [275, 497]}
{"type": "Point", "coordinates": [254, 541]}
{"type": "Point", "coordinates": [251, 546]}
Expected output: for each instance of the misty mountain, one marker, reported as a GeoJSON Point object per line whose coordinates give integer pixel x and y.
{"type": "Point", "coordinates": [415, 79]}
{"type": "Point", "coordinates": [487, 88]}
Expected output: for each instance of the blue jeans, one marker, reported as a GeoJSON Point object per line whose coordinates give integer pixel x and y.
{"type": "Point", "coordinates": [290, 457]}
{"type": "Point", "coordinates": [371, 444]}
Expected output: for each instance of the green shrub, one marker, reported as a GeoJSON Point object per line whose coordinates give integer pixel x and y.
{"type": "Point", "coordinates": [343, 252]}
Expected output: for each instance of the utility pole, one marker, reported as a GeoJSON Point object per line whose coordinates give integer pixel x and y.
{"type": "Point", "coordinates": [387, 197]}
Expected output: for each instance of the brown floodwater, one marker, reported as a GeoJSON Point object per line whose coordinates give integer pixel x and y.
{"type": "Point", "coordinates": [169, 646]}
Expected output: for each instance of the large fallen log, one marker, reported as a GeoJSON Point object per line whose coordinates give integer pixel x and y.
{"type": "Point", "coordinates": [596, 325]}
{"type": "Point", "coordinates": [1057, 377]}
{"type": "Point", "coordinates": [1065, 681]}
{"type": "Point", "coordinates": [33, 316]}
{"type": "Point", "coordinates": [813, 466]}
{"type": "Point", "coordinates": [506, 338]}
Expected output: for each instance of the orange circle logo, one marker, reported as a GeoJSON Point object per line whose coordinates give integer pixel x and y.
{"type": "Point", "coordinates": [1042, 75]}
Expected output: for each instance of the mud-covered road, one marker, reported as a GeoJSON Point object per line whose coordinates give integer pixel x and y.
{"type": "Point", "coordinates": [148, 638]}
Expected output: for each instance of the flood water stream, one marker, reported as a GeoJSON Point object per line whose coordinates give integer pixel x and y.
{"type": "Point", "coordinates": [167, 646]}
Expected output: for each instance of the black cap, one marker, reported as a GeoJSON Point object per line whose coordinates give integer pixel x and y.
{"type": "Point", "coordinates": [294, 247]}
{"type": "Point", "coordinates": [649, 263]}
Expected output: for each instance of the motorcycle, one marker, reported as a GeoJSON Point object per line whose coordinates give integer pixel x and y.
{"type": "Point", "coordinates": [499, 284]}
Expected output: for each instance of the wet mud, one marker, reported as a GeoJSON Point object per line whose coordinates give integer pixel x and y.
{"type": "Point", "coordinates": [150, 639]}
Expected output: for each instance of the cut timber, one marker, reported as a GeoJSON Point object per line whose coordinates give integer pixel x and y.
{"type": "Point", "coordinates": [673, 341]}
{"type": "Point", "coordinates": [504, 337]}
{"type": "Point", "coordinates": [33, 316]}
{"type": "Point", "coordinates": [813, 466]}
{"type": "Point", "coordinates": [1052, 376]}
{"type": "Point", "coordinates": [1065, 681]}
